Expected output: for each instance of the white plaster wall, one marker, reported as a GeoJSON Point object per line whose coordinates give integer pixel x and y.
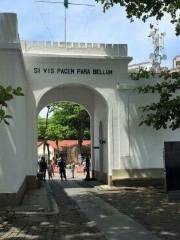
{"type": "Point", "coordinates": [94, 104]}
{"type": "Point", "coordinates": [101, 114]}
{"type": "Point", "coordinates": [74, 48]}
{"type": "Point", "coordinates": [48, 87]}
{"type": "Point", "coordinates": [42, 82]}
{"type": "Point", "coordinates": [140, 147]}
{"type": "Point", "coordinates": [8, 28]}
{"type": "Point", "coordinates": [31, 126]}
{"type": "Point", "coordinates": [123, 159]}
{"type": "Point", "coordinates": [16, 161]}
{"type": "Point", "coordinates": [128, 146]}
{"type": "Point", "coordinates": [107, 98]}
{"type": "Point", "coordinates": [81, 89]}
{"type": "Point", "coordinates": [146, 143]}
{"type": "Point", "coordinates": [70, 92]}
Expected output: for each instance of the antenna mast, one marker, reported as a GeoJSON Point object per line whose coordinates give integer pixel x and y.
{"type": "Point", "coordinates": [158, 44]}
{"type": "Point", "coordinates": [66, 4]}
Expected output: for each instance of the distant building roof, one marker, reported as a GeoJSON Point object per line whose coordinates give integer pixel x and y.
{"type": "Point", "coordinates": [176, 62]}
{"type": "Point", "coordinates": [176, 57]}
{"type": "Point", "coordinates": [65, 143]}
{"type": "Point", "coordinates": [137, 66]}
{"type": "Point", "coordinates": [71, 143]}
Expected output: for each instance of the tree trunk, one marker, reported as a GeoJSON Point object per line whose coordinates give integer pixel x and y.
{"type": "Point", "coordinates": [47, 145]}
{"type": "Point", "coordinates": [80, 145]}
{"type": "Point", "coordinates": [44, 147]}
{"type": "Point", "coordinates": [57, 144]}
{"type": "Point", "coordinates": [45, 135]}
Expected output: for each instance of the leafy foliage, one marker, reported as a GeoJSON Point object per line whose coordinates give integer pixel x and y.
{"type": "Point", "coordinates": [145, 9]}
{"type": "Point", "coordinates": [41, 127]}
{"type": "Point", "coordinates": [165, 113]}
{"type": "Point", "coordinates": [73, 118]}
{"type": "Point", "coordinates": [6, 95]}
{"type": "Point", "coordinates": [69, 121]}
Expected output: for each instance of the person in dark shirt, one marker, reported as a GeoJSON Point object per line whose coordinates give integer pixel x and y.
{"type": "Point", "coordinates": [43, 167]}
{"type": "Point", "coordinates": [87, 168]}
{"type": "Point", "coordinates": [62, 168]}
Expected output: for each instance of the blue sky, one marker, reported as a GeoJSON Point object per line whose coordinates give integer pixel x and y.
{"type": "Point", "coordinates": [38, 21]}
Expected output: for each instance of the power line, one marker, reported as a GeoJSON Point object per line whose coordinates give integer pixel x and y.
{"type": "Point", "coordinates": [69, 3]}
{"type": "Point", "coordinates": [65, 3]}
{"type": "Point", "coordinates": [43, 21]}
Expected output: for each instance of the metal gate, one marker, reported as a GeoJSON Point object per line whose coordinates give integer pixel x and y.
{"type": "Point", "coordinates": [172, 165]}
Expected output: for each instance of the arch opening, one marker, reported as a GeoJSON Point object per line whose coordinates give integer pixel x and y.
{"type": "Point", "coordinates": [96, 107]}
{"type": "Point", "coordinates": [64, 132]}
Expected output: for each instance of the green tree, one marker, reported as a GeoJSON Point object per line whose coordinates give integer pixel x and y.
{"type": "Point", "coordinates": [41, 128]}
{"type": "Point", "coordinates": [74, 121]}
{"type": "Point", "coordinates": [165, 112]}
{"type": "Point", "coordinates": [6, 95]}
{"type": "Point", "coordinates": [43, 124]}
{"type": "Point", "coordinates": [45, 137]}
{"type": "Point", "coordinates": [145, 9]}
{"type": "Point", "coordinates": [68, 121]}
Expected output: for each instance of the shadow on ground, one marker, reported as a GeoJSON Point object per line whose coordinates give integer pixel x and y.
{"type": "Point", "coordinates": [69, 224]}
{"type": "Point", "coordinates": [148, 206]}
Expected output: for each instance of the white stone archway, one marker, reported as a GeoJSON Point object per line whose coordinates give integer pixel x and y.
{"type": "Point", "coordinates": [94, 75]}
{"type": "Point", "coordinates": [96, 106]}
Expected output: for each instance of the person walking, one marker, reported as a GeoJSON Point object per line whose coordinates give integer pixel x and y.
{"type": "Point", "coordinates": [84, 166]}
{"type": "Point", "coordinates": [62, 168]}
{"type": "Point", "coordinates": [50, 169]}
{"type": "Point", "coordinates": [72, 169]}
{"type": "Point", "coordinates": [43, 167]}
{"type": "Point", "coordinates": [54, 165]}
{"type": "Point", "coordinates": [87, 168]}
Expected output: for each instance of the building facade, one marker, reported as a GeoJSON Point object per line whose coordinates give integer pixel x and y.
{"type": "Point", "coordinates": [87, 74]}
{"type": "Point", "coordinates": [68, 148]}
{"type": "Point", "coordinates": [143, 65]}
{"type": "Point", "coordinates": [176, 62]}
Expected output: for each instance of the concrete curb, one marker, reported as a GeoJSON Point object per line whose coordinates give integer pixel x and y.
{"type": "Point", "coordinates": [105, 187]}
{"type": "Point", "coordinates": [53, 206]}
{"type": "Point", "coordinates": [112, 223]}
{"type": "Point", "coordinates": [100, 187]}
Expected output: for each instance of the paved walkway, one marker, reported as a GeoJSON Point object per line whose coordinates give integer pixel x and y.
{"type": "Point", "coordinates": [81, 215]}
{"type": "Point", "coordinates": [149, 206]}
{"type": "Point", "coordinates": [108, 220]}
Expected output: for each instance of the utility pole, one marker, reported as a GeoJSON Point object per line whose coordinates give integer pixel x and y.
{"type": "Point", "coordinates": [66, 3]}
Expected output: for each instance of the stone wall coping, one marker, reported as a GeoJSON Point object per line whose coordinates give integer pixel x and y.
{"type": "Point", "coordinates": [70, 48]}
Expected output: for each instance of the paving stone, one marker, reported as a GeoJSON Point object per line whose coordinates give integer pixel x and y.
{"type": "Point", "coordinates": [70, 223]}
